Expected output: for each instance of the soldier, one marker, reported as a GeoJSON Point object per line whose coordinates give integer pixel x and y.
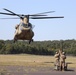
{"type": "Point", "coordinates": [57, 63]}
{"type": "Point", "coordinates": [62, 61]}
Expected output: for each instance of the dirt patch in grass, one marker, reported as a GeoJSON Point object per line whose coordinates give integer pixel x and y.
{"type": "Point", "coordinates": [28, 70]}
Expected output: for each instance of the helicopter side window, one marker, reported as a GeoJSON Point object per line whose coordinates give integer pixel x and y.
{"type": "Point", "coordinates": [21, 25]}
{"type": "Point", "coordinates": [30, 25]}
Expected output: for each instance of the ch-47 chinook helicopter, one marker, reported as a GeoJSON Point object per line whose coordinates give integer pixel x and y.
{"type": "Point", "coordinates": [24, 29]}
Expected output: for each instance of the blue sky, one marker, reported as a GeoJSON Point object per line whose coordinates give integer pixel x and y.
{"type": "Point", "coordinates": [48, 29]}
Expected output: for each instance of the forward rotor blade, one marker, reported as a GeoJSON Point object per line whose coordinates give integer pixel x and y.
{"type": "Point", "coordinates": [9, 11]}
{"type": "Point", "coordinates": [22, 14]}
{"type": "Point", "coordinates": [45, 12]}
{"type": "Point", "coordinates": [9, 18]}
{"type": "Point", "coordinates": [14, 13]}
{"type": "Point", "coordinates": [46, 17]}
{"type": "Point", "coordinates": [6, 13]}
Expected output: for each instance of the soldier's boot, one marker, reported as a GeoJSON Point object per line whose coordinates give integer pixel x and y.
{"type": "Point", "coordinates": [65, 67]}
{"type": "Point", "coordinates": [61, 68]}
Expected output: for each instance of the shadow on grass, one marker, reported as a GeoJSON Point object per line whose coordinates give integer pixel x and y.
{"type": "Point", "coordinates": [70, 70]}
{"type": "Point", "coordinates": [48, 62]}
{"type": "Point", "coordinates": [69, 63]}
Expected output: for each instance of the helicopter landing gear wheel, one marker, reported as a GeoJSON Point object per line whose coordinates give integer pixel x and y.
{"type": "Point", "coordinates": [15, 39]}
{"type": "Point", "coordinates": [30, 41]}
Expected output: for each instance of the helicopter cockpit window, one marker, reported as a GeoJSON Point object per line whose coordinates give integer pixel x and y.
{"type": "Point", "coordinates": [21, 25]}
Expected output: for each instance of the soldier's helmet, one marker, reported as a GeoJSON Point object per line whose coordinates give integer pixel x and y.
{"type": "Point", "coordinates": [63, 52]}
{"type": "Point", "coordinates": [56, 52]}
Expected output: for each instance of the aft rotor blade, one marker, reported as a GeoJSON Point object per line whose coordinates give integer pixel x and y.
{"type": "Point", "coordinates": [31, 15]}
{"type": "Point", "coordinates": [45, 12]}
{"type": "Point", "coordinates": [46, 17]}
{"type": "Point", "coordinates": [19, 14]}
{"type": "Point", "coordinates": [37, 15]}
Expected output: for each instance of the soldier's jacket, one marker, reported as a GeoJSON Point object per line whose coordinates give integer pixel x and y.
{"type": "Point", "coordinates": [56, 63]}
{"type": "Point", "coordinates": [62, 58]}
{"type": "Point", "coordinates": [56, 56]}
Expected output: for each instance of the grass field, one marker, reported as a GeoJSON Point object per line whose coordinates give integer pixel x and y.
{"type": "Point", "coordinates": [33, 60]}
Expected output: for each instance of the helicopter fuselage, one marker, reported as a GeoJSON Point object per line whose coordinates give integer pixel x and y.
{"type": "Point", "coordinates": [25, 34]}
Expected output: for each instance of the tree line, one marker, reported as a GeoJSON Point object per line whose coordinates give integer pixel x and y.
{"type": "Point", "coordinates": [38, 47]}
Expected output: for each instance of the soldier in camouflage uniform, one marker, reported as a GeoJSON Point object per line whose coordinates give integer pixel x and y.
{"type": "Point", "coordinates": [62, 61]}
{"type": "Point", "coordinates": [57, 62]}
